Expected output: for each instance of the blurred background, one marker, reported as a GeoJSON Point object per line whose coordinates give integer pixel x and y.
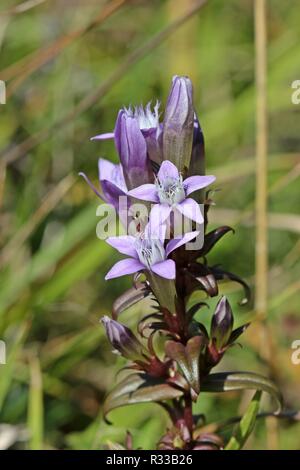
{"type": "Point", "coordinates": [69, 65]}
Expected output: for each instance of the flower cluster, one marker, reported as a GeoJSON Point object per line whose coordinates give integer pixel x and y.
{"type": "Point", "coordinates": [162, 163]}
{"type": "Point", "coordinates": [145, 173]}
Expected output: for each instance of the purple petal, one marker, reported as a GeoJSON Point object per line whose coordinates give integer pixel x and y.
{"type": "Point", "coordinates": [179, 123]}
{"type": "Point", "coordinates": [91, 185]}
{"type": "Point", "coordinates": [177, 242]}
{"type": "Point", "coordinates": [112, 181]}
{"type": "Point", "coordinates": [166, 269]}
{"type": "Point", "coordinates": [124, 244]}
{"type": "Point", "coordinates": [146, 192]}
{"type": "Point", "coordinates": [106, 169]}
{"type": "Point", "coordinates": [137, 145]}
{"type": "Point", "coordinates": [111, 172]}
{"type": "Point", "coordinates": [154, 143]}
{"type": "Point", "coordinates": [108, 135]}
{"type": "Point", "coordinates": [131, 146]}
{"type": "Point", "coordinates": [123, 267]}
{"type": "Point", "coordinates": [193, 183]}
{"type": "Point", "coordinates": [191, 210]}
{"type": "Point", "coordinates": [167, 170]}
{"type": "Point", "coordinates": [156, 232]}
{"type": "Point", "coordinates": [130, 142]}
{"type": "Point", "coordinates": [179, 109]}
{"type": "Point", "coordinates": [112, 194]}
{"type": "Point", "coordinates": [159, 214]}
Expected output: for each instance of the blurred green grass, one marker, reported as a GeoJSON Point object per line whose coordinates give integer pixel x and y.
{"type": "Point", "coordinates": [52, 288]}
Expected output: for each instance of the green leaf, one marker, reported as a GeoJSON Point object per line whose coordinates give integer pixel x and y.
{"type": "Point", "coordinates": [139, 388]}
{"type": "Point", "coordinates": [246, 425]}
{"type": "Point", "coordinates": [229, 381]}
{"type": "Point", "coordinates": [187, 357]}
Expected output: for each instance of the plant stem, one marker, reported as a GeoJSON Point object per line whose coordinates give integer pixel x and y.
{"type": "Point", "coordinates": [188, 414]}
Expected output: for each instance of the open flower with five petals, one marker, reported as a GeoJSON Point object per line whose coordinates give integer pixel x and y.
{"type": "Point", "coordinates": [170, 192]}
{"type": "Point", "coordinates": [147, 252]}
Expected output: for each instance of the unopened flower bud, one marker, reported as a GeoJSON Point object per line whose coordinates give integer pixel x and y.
{"type": "Point", "coordinates": [178, 124]}
{"type": "Point", "coordinates": [123, 340]}
{"type": "Point", "coordinates": [222, 323]}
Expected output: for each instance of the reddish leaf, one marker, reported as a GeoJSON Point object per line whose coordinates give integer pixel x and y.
{"type": "Point", "coordinates": [187, 357]}
{"type": "Point", "coordinates": [139, 388]}
{"type": "Point", "coordinates": [213, 237]}
{"type": "Point", "coordinates": [129, 298]}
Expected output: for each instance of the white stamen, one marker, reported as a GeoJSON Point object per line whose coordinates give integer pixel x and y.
{"type": "Point", "coordinates": [150, 252]}
{"type": "Point", "coordinates": [147, 118]}
{"type": "Point", "coordinates": [171, 190]}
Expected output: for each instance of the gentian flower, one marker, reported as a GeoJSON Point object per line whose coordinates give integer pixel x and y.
{"type": "Point", "coordinates": [178, 125]}
{"type": "Point", "coordinates": [147, 253]}
{"type": "Point", "coordinates": [147, 119]}
{"type": "Point", "coordinates": [137, 136]}
{"type": "Point", "coordinates": [112, 182]}
{"type": "Point", "coordinates": [151, 129]}
{"type": "Point", "coordinates": [170, 192]}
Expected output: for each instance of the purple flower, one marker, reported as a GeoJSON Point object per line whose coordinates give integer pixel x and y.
{"type": "Point", "coordinates": [146, 253]}
{"type": "Point", "coordinates": [151, 129]}
{"type": "Point", "coordinates": [112, 182]}
{"type": "Point", "coordinates": [147, 120]}
{"type": "Point", "coordinates": [178, 125]}
{"type": "Point", "coordinates": [123, 340]}
{"type": "Point", "coordinates": [137, 136]}
{"type": "Point", "coordinates": [170, 192]}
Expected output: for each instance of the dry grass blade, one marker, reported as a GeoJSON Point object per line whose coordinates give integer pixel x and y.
{"type": "Point", "coordinates": [285, 294]}
{"type": "Point", "coordinates": [285, 180]}
{"type": "Point", "coordinates": [261, 287]}
{"type": "Point", "coordinates": [261, 254]}
{"type": "Point", "coordinates": [278, 221]}
{"type": "Point", "coordinates": [26, 67]}
{"type": "Point", "coordinates": [21, 149]}
{"type": "Point", "coordinates": [22, 8]}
